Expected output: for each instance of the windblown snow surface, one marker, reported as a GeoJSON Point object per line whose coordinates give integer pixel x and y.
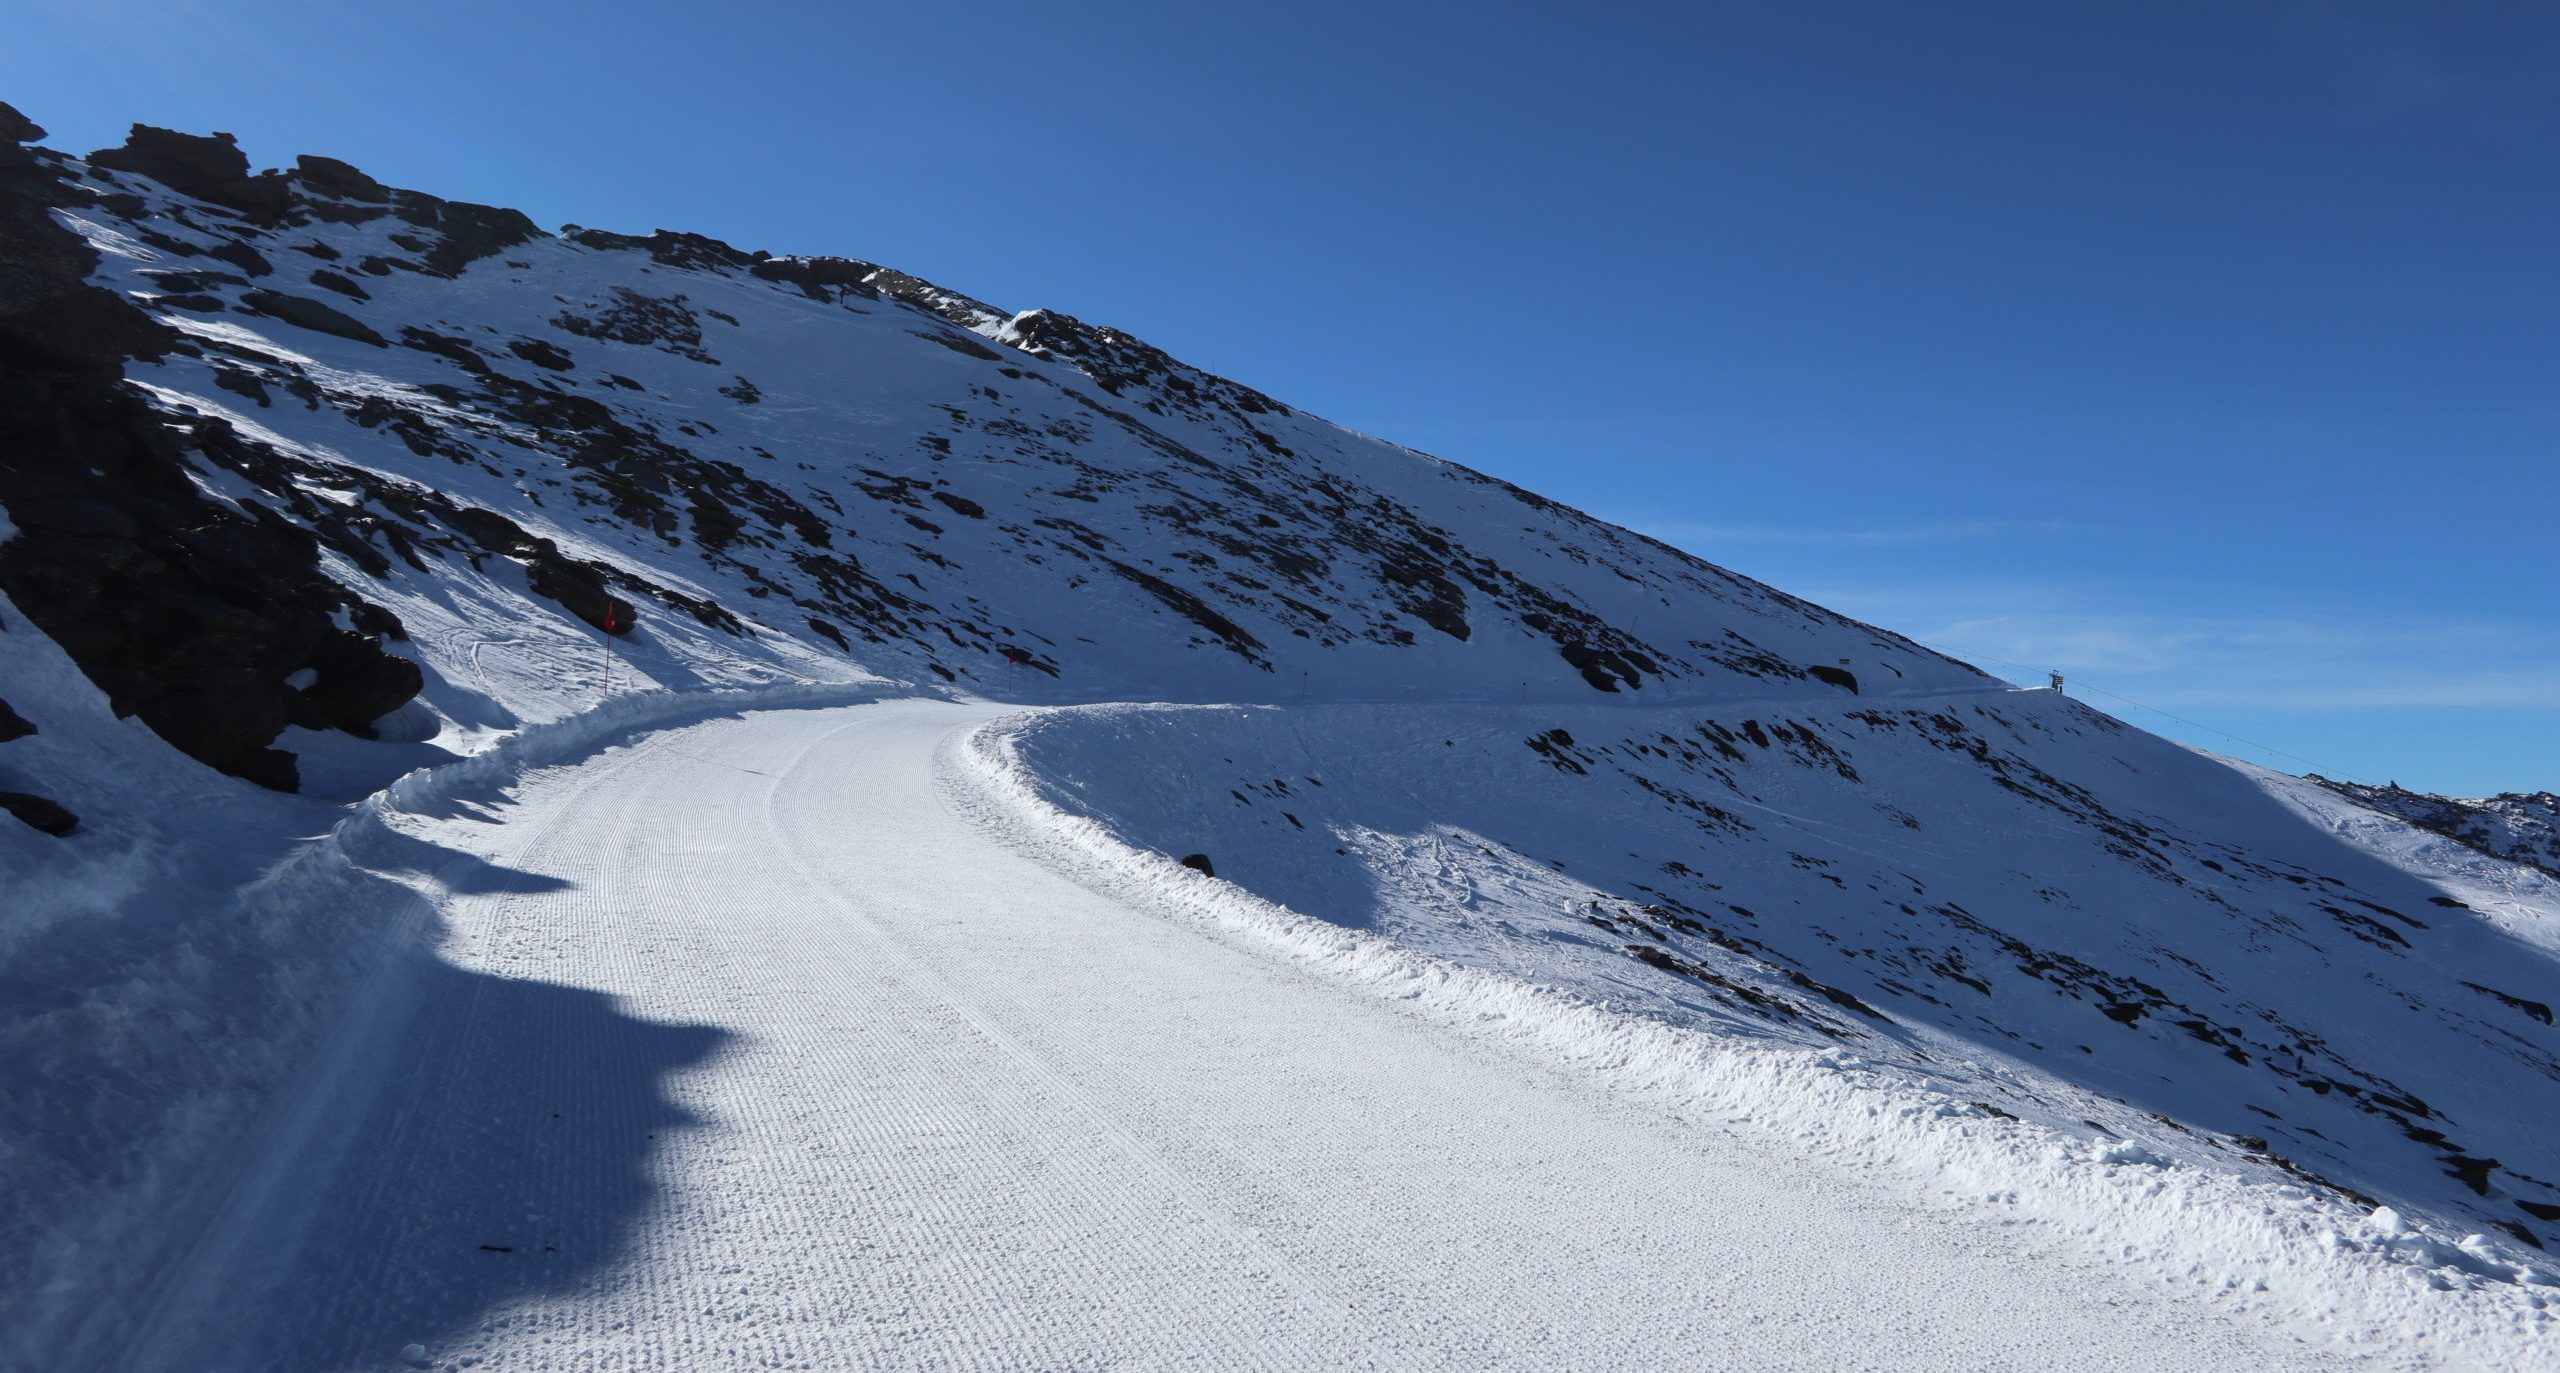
{"type": "Point", "coordinates": [1571, 833]}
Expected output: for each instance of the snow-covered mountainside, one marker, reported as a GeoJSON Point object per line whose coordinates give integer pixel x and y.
{"type": "Point", "coordinates": [485, 433]}
{"type": "Point", "coordinates": [307, 482]}
{"type": "Point", "coordinates": [2518, 826]}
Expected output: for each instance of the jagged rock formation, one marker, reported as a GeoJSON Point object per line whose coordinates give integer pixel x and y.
{"type": "Point", "coordinates": [194, 616]}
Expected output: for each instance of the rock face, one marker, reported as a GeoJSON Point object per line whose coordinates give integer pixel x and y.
{"type": "Point", "coordinates": [186, 612]}
{"type": "Point", "coordinates": [211, 169]}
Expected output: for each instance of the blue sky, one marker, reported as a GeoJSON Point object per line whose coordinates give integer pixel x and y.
{"type": "Point", "coordinates": [2208, 352]}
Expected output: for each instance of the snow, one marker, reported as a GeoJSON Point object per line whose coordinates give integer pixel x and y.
{"type": "Point", "coordinates": [2188, 1218]}
{"type": "Point", "coordinates": [922, 1100]}
{"type": "Point", "coordinates": [722, 997]}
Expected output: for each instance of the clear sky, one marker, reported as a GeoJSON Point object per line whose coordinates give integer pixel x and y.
{"type": "Point", "coordinates": [2209, 352]}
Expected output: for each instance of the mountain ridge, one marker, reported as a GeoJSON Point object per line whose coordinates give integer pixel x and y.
{"type": "Point", "coordinates": [1256, 532]}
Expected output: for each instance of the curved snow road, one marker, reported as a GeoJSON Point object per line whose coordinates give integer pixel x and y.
{"type": "Point", "coordinates": [745, 1050]}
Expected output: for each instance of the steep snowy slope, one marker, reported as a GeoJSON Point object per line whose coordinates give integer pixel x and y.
{"type": "Point", "coordinates": [306, 482]}
{"type": "Point", "coordinates": [802, 463]}
{"type": "Point", "coordinates": [2520, 827]}
{"type": "Point", "coordinates": [2003, 892]}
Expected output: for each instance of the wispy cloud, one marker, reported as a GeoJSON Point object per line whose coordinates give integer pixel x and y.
{"type": "Point", "coordinates": [2316, 659]}
{"type": "Point", "coordinates": [1702, 536]}
{"type": "Point", "coordinates": [2280, 663]}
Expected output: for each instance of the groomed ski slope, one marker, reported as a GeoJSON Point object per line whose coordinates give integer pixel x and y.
{"type": "Point", "coordinates": [766, 1042]}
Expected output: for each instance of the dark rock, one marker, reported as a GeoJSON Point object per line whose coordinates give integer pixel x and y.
{"type": "Point", "coordinates": [466, 232]}
{"type": "Point", "coordinates": [1199, 612]}
{"type": "Point", "coordinates": [668, 248]}
{"type": "Point", "coordinates": [208, 168]}
{"type": "Point", "coordinates": [829, 279]}
{"type": "Point", "coordinates": [541, 354]}
{"type": "Point", "coordinates": [328, 176]}
{"type": "Point", "coordinates": [38, 813]}
{"type": "Point", "coordinates": [1837, 676]}
{"type": "Point", "coordinates": [16, 127]}
{"type": "Point", "coordinates": [2473, 1172]}
{"type": "Point", "coordinates": [193, 282]}
{"type": "Point", "coordinates": [1603, 668]}
{"type": "Point", "coordinates": [331, 281]}
{"type": "Point", "coordinates": [1199, 863]}
{"type": "Point", "coordinates": [242, 256]}
{"type": "Point", "coordinates": [13, 725]}
{"type": "Point", "coordinates": [307, 313]}
{"type": "Point", "coordinates": [457, 351]}
{"type": "Point", "coordinates": [187, 614]}
{"type": "Point", "coordinates": [2539, 1010]}
{"type": "Point", "coordinates": [580, 590]}
{"type": "Point", "coordinates": [647, 320]}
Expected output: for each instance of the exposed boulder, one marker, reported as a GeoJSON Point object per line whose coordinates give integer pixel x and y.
{"type": "Point", "coordinates": [16, 127]}
{"type": "Point", "coordinates": [1199, 863]}
{"type": "Point", "coordinates": [36, 812]}
{"type": "Point", "coordinates": [1837, 676]}
{"type": "Point", "coordinates": [210, 168]}
{"type": "Point", "coordinates": [313, 174]}
{"type": "Point", "coordinates": [310, 314]}
{"type": "Point", "coordinates": [541, 354]}
{"type": "Point", "coordinates": [13, 725]}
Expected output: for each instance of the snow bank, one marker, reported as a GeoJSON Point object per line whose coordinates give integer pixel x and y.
{"type": "Point", "coordinates": [163, 1052]}
{"type": "Point", "coordinates": [2243, 1241]}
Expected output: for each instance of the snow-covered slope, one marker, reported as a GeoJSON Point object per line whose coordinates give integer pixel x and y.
{"type": "Point", "coordinates": [306, 482]}
{"type": "Point", "coordinates": [2518, 826]}
{"type": "Point", "coordinates": [2003, 892]}
{"type": "Point", "coordinates": [800, 465]}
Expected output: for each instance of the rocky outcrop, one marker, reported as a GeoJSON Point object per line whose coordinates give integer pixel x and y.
{"type": "Point", "coordinates": [185, 612]}
{"type": "Point", "coordinates": [2518, 826]}
{"type": "Point", "coordinates": [208, 167]}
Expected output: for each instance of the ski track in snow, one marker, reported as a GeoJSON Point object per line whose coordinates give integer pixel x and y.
{"type": "Point", "coordinates": [748, 1047]}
